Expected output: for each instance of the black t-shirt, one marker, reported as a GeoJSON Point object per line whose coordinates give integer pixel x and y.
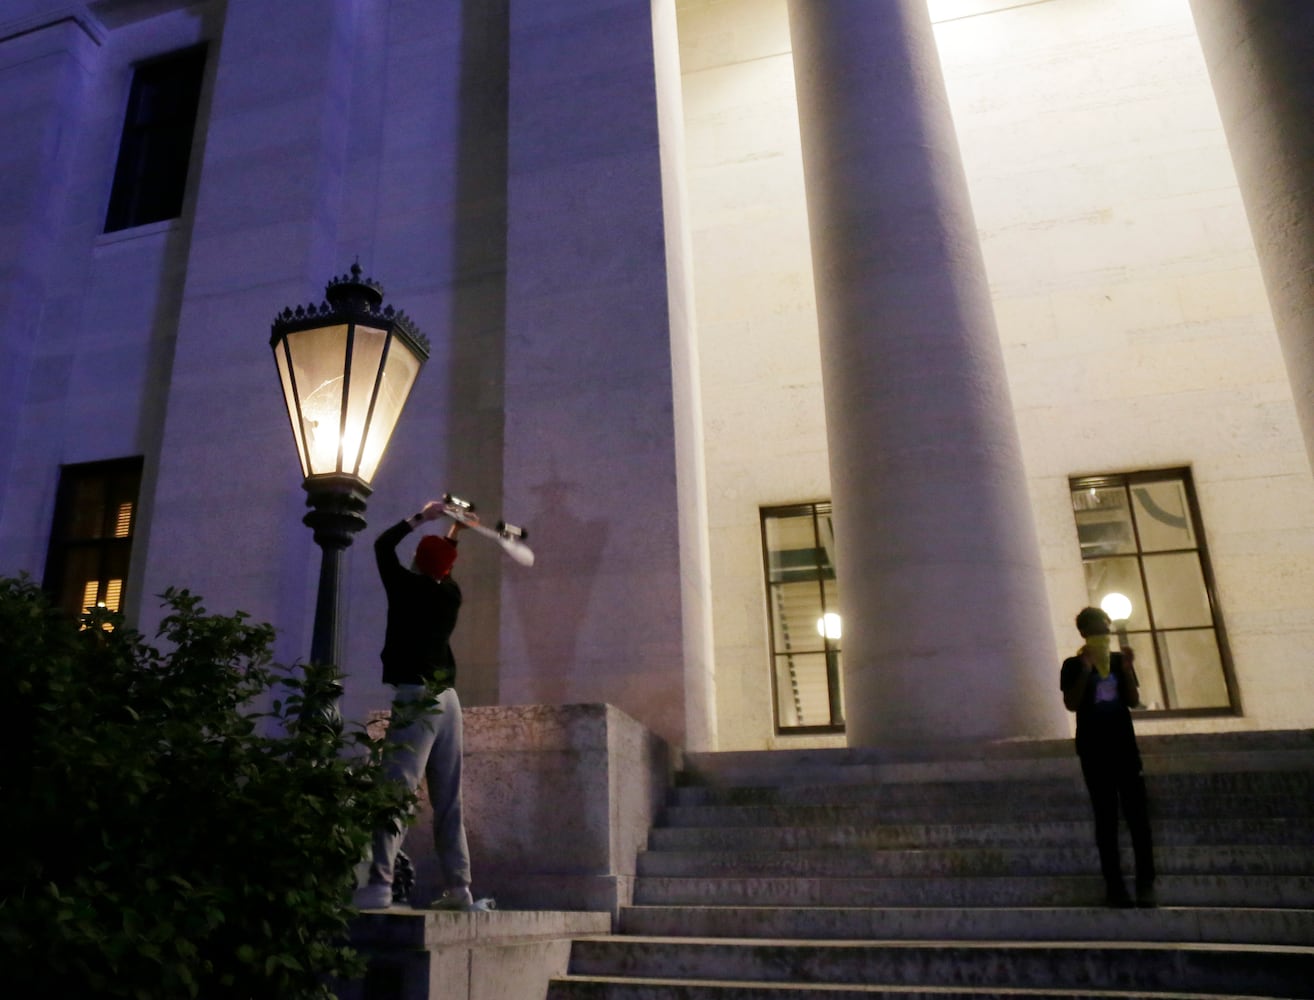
{"type": "Point", "coordinates": [1104, 722]}
{"type": "Point", "coordinates": [422, 613]}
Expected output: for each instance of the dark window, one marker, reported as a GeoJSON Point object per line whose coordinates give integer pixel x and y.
{"type": "Point", "coordinates": [1142, 547]}
{"type": "Point", "coordinates": [95, 517]}
{"type": "Point", "coordinates": [798, 545]}
{"type": "Point", "coordinates": [151, 174]}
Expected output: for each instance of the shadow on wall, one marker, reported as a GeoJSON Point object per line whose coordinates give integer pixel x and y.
{"type": "Point", "coordinates": [474, 418]}
{"type": "Point", "coordinates": [551, 616]}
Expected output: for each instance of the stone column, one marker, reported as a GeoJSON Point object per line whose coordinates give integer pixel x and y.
{"type": "Point", "coordinates": [946, 626]}
{"type": "Point", "coordinates": [1261, 60]}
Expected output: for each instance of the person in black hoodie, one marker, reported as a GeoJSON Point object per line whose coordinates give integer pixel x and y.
{"type": "Point", "coordinates": [1101, 687]}
{"type": "Point", "coordinates": [423, 604]}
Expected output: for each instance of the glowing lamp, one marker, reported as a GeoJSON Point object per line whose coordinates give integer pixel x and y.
{"type": "Point", "coordinates": [1117, 606]}
{"type": "Point", "coordinates": [347, 367]}
{"type": "Point", "coordinates": [828, 625]}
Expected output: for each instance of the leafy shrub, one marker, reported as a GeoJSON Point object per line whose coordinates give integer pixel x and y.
{"type": "Point", "coordinates": [174, 830]}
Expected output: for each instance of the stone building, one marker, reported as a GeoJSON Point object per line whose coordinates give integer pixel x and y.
{"type": "Point", "coordinates": [835, 352]}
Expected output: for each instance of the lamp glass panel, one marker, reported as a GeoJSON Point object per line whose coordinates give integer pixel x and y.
{"type": "Point", "coordinates": [367, 346]}
{"type": "Point", "coordinates": [400, 368]}
{"type": "Point", "coordinates": [289, 398]}
{"type": "Point", "coordinates": [318, 363]}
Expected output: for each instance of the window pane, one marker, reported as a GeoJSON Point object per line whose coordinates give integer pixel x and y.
{"type": "Point", "coordinates": [1147, 672]}
{"type": "Point", "coordinates": [150, 175]}
{"type": "Point", "coordinates": [791, 549]}
{"type": "Point", "coordinates": [833, 624]}
{"type": "Point", "coordinates": [123, 519]}
{"type": "Point", "coordinates": [1177, 591]}
{"type": "Point", "coordinates": [86, 516]}
{"type": "Point", "coordinates": [1192, 662]}
{"type": "Point", "coordinates": [796, 611]}
{"type": "Point", "coordinates": [802, 691]}
{"type": "Point", "coordinates": [1104, 526]}
{"type": "Point", "coordinates": [91, 538]}
{"type": "Point", "coordinates": [826, 551]}
{"type": "Point", "coordinates": [1118, 576]}
{"type": "Point", "coordinates": [80, 587]}
{"type": "Point", "coordinates": [1163, 517]}
{"type": "Point", "coordinates": [803, 602]}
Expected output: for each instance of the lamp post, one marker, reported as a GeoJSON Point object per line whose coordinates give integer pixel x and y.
{"type": "Point", "coordinates": [347, 367]}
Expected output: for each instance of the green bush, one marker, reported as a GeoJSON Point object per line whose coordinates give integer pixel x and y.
{"type": "Point", "coordinates": [172, 830]}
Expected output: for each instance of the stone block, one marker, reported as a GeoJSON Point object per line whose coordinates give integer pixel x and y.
{"type": "Point", "coordinates": [558, 802]}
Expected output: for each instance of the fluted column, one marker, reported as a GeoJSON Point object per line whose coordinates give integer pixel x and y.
{"type": "Point", "coordinates": [946, 627]}
{"type": "Point", "coordinates": [1261, 60]}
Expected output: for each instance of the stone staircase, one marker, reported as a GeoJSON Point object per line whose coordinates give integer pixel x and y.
{"type": "Point", "coordinates": [838, 874]}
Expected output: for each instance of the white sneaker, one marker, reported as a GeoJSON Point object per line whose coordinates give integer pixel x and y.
{"type": "Point", "coordinates": [460, 900]}
{"type": "Point", "coordinates": [375, 896]}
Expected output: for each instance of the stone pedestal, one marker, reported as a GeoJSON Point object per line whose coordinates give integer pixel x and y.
{"type": "Point", "coordinates": [558, 802]}
{"type": "Point", "coordinates": [418, 955]}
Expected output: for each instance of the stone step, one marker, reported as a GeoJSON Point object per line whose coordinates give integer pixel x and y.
{"type": "Point", "coordinates": [932, 809]}
{"type": "Point", "coordinates": [1229, 830]}
{"type": "Point", "coordinates": [1260, 750]}
{"type": "Point", "coordinates": [1218, 860]}
{"type": "Point", "coordinates": [617, 988]}
{"type": "Point", "coordinates": [1091, 965]}
{"type": "Point", "coordinates": [970, 771]}
{"type": "Point", "coordinates": [1231, 925]}
{"type": "Point", "coordinates": [1002, 891]}
{"type": "Point", "coordinates": [1220, 786]}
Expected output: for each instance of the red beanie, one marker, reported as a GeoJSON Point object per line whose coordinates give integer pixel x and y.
{"type": "Point", "coordinates": [435, 555]}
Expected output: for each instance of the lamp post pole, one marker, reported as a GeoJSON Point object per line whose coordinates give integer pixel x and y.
{"type": "Point", "coordinates": [347, 367]}
{"type": "Point", "coordinates": [335, 516]}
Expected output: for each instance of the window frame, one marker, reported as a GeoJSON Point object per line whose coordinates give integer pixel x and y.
{"type": "Point", "coordinates": [106, 546]}
{"type": "Point", "coordinates": [1126, 481]}
{"type": "Point", "coordinates": [124, 209]}
{"type": "Point", "coordinates": [815, 509]}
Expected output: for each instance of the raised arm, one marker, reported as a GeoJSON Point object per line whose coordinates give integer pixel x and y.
{"type": "Point", "coordinates": [385, 546]}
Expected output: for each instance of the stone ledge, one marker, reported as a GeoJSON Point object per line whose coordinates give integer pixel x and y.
{"type": "Point", "coordinates": [405, 928]}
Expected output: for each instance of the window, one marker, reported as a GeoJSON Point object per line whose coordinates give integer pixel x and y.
{"type": "Point", "coordinates": [95, 517]}
{"type": "Point", "coordinates": [798, 546]}
{"type": "Point", "coordinates": [1141, 537]}
{"type": "Point", "coordinates": [150, 176]}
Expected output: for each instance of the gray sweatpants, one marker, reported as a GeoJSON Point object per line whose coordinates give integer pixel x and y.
{"type": "Point", "coordinates": [429, 746]}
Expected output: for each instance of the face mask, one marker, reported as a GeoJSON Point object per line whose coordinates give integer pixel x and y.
{"type": "Point", "coordinates": [1097, 648]}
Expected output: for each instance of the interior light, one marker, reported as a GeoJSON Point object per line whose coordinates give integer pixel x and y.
{"type": "Point", "coordinates": [1117, 606]}
{"type": "Point", "coordinates": [828, 625]}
